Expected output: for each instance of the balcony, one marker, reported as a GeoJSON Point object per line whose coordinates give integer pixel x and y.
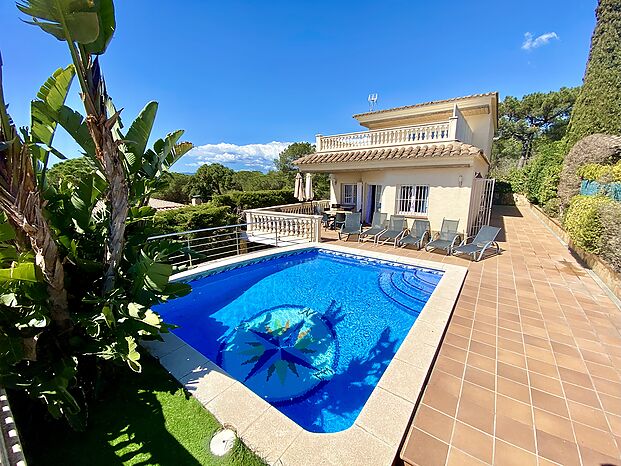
{"type": "Point", "coordinates": [454, 129]}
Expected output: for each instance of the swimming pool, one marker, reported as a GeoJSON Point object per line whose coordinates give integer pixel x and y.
{"type": "Point", "coordinates": [310, 331]}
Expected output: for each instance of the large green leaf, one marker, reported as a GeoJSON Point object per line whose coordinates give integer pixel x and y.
{"type": "Point", "coordinates": [20, 271]}
{"type": "Point", "coordinates": [107, 25]}
{"type": "Point", "coordinates": [67, 20]}
{"type": "Point", "coordinates": [138, 135]}
{"type": "Point", "coordinates": [52, 95]}
{"type": "Point", "coordinates": [74, 123]}
{"type": "Point", "coordinates": [150, 275]}
{"type": "Point", "coordinates": [84, 197]}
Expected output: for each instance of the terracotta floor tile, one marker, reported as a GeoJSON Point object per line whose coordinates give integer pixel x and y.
{"type": "Point", "coordinates": [441, 400]}
{"type": "Point", "coordinates": [546, 384]}
{"type": "Point", "coordinates": [473, 442]}
{"type": "Point", "coordinates": [587, 415]}
{"type": "Point", "coordinates": [514, 409]}
{"type": "Point", "coordinates": [581, 379]}
{"type": "Point", "coordinates": [532, 335]}
{"type": "Point", "coordinates": [425, 450]}
{"type": "Point", "coordinates": [554, 404]}
{"type": "Point", "coordinates": [450, 366]}
{"type": "Point", "coordinates": [481, 378]}
{"type": "Point", "coordinates": [516, 433]}
{"type": "Point", "coordinates": [542, 368]}
{"type": "Point", "coordinates": [611, 404]}
{"type": "Point", "coordinates": [509, 455]}
{"type": "Point", "coordinates": [554, 425]}
{"type": "Point", "coordinates": [512, 373]}
{"type": "Point", "coordinates": [581, 395]}
{"type": "Point", "coordinates": [608, 387]}
{"type": "Point", "coordinates": [511, 358]}
{"type": "Point", "coordinates": [434, 423]}
{"type": "Point", "coordinates": [475, 394]}
{"type": "Point", "coordinates": [590, 456]}
{"type": "Point", "coordinates": [556, 449]}
{"type": "Point", "coordinates": [512, 389]}
{"type": "Point", "coordinates": [476, 416]}
{"type": "Point", "coordinates": [596, 440]}
{"type": "Point", "coordinates": [482, 362]}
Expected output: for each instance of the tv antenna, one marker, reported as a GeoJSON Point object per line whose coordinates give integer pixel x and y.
{"type": "Point", "coordinates": [372, 100]}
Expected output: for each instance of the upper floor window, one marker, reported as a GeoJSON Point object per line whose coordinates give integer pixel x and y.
{"type": "Point", "coordinates": [348, 194]}
{"type": "Point", "coordinates": [413, 199]}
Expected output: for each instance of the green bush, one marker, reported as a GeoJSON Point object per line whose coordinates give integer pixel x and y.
{"type": "Point", "coordinates": [192, 218]}
{"type": "Point", "coordinates": [611, 235]}
{"type": "Point", "coordinates": [552, 207]}
{"type": "Point", "coordinates": [583, 221]}
{"type": "Point", "coordinates": [242, 200]}
{"type": "Point", "coordinates": [600, 172]}
{"type": "Point", "coordinates": [543, 173]}
{"type": "Point", "coordinates": [598, 107]}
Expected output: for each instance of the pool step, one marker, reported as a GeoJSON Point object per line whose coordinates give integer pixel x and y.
{"type": "Point", "coordinates": [405, 289]}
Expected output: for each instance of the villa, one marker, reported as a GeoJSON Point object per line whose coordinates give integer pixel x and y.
{"type": "Point", "coordinates": [428, 160]}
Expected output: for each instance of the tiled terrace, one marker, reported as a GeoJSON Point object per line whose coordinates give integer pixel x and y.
{"type": "Point", "coordinates": [529, 371]}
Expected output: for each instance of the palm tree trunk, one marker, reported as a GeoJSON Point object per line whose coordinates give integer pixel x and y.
{"type": "Point", "coordinates": [118, 193]}
{"type": "Point", "coordinates": [21, 201]}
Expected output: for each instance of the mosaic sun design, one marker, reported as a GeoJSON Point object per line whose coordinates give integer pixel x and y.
{"type": "Point", "coordinates": [282, 354]}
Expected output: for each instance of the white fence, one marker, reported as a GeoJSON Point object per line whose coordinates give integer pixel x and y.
{"type": "Point", "coordinates": [480, 204]}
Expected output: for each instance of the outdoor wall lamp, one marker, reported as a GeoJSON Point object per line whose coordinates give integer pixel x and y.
{"type": "Point", "coordinates": [460, 180]}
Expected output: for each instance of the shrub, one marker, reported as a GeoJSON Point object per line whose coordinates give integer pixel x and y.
{"type": "Point", "coordinates": [242, 200]}
{"type": "Point", "coordinates": [598, 107]}
{"type": "Point", "coordinates": [192, 218]}
{"type": "Point", "coordinates": [583, 221]}
{"type": "Point", "coordinates": [611, 235]}
{"type": "Point", "coordinates": [541, 175]}
{"type": "Point", "coordinates": [598, 148]}
{"type": "Point", "coordinates": [599, 172]}
{"type": "Point", "coordinates": [517, 179]}
{"type": "Point", "coordinates": [552, 207]}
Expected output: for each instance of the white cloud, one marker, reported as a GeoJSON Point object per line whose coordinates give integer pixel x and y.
{"type": "Point", "coordinates": [531, 42]}
{"type": "Point", "coordinates": [248, 156]}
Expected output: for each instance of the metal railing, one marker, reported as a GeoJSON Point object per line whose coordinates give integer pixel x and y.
{"type": "Point", "coordinates": [209, 244]}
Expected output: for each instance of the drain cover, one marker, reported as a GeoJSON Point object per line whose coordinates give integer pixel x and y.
{"type": "Point", "coordinates": [222, 442]}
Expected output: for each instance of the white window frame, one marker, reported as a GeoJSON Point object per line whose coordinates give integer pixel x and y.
{"type": "Point", "coordinates": [412, 199]}
{"type": "Point", "coordinates": [351, 198]}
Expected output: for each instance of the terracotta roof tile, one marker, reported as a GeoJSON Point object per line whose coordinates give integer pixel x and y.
{"type": "Point", "coordinates": [443, 150]}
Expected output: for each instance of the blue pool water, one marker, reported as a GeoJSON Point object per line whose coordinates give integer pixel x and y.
{"type": "Point", "coordinates": [311, 332]}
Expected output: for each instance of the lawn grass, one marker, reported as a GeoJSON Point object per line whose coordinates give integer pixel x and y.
{"type": "Point", "coordinates": [147, 419]}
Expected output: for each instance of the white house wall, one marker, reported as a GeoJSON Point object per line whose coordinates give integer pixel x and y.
{"type": "Point", "coordinates": [446, 198]}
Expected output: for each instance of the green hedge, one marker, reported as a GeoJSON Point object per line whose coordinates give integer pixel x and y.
{"type": "Point", "coordinates": [599, 172]}
{"type": "Point", "coordinates": [193, 218]}
{"type": "Point", "coordinates": [242, 200]}
{"type": "Point", "coordinates": [583, 221]}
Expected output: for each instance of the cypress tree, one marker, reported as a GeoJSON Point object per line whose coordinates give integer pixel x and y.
{"type": "Point", "coordinates": [598, 107]}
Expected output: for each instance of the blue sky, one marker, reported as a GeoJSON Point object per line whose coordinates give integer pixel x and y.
{"type": "Point", "coordinates": [245, 78]}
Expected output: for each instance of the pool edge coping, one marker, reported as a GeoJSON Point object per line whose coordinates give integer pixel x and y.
{"type": "Point", "coordinates": [373, 438]}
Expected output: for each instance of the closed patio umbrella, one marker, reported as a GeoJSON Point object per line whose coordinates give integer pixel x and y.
{"type": "Point", "coordinates": [309, 188]}
{"type": "Point", "coordinates": [298, 188]}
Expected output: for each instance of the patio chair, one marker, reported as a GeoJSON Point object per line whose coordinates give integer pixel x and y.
{"type": "Point", "coordinates": [352, 225]}
{"type": "Point", "coordinates": [378, 225]}
{"type": "Point", "coordinates": [325, 220]}
{"type": "Point", "coordinates": [484, 239]}
{"type": "Point", "coordinates": [394, 232]}
{"type": "Point", "coordinates": [417, 234]}
{"type": "Point", "coordinates": [446, 238]}
{"type": "Point", "coordinates": [339, 220]}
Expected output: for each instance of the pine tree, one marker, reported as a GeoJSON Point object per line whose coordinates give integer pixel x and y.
{"type": "Point", "coordinates": [598, 107]}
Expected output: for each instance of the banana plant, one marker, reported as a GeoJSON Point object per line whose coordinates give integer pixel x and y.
{"type": "Point", "coordinates": [20, 197]}
{"type": "Point", "coordinates": [87, 26]}
{"type": "Point", "coordinates": [145, 167]}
